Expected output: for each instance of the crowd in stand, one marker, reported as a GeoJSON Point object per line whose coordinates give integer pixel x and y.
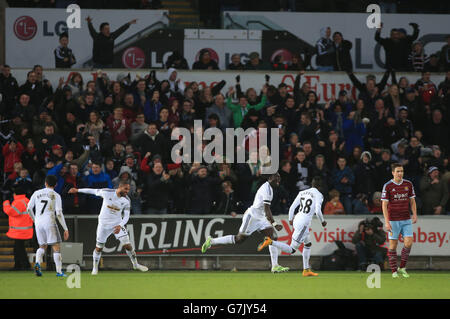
{"type": "Point", "coordinates": [96, 133]}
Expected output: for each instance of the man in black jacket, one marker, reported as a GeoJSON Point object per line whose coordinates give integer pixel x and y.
{"type": "Point", "coordinates": [341, 54]}
{"type": "Point", "coordinates": [8, 88]}
{"type": "Point", "coordinates": [152, 141]}
{"type": "Point", "coordinates": [203, 191]}
{"type": "Point", "coordinates": [103, 49]}
{"type": "Point", "coordinates": [157, 190]}
{"type": "Point", "coordinates": [397, 48]}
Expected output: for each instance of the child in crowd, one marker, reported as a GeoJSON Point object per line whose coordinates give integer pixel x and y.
{"type": "Point", "coordinates": [334, 206]}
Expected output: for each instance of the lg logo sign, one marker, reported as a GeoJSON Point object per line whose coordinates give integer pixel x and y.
{"type": "Point", "coordinates": [25, 27]}
{"type": "Point", "coordinates": [133, 58]}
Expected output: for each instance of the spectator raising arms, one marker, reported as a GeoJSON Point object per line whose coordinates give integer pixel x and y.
{"type": "Point", "coordinates": [398, 47]}
{"type": "Point", "coordinates": [102, 51]}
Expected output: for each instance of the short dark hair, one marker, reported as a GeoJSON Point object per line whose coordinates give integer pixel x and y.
{"type": "Point", "coordinates": [124, 182]}
{"type": "Point", "coordinates": [395, 165]}
{"type": "Point", "coordinates": [103, 25]}
{"type": "Point", "coordinates": [51, 180]}
{"type": "Point", "coordinates": [97, 163]}
{"type": "Point", "coordinates": [316, 182]}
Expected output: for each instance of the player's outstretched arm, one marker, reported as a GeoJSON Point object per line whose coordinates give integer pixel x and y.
{"type": "Point", "coordinates": [90, 191]}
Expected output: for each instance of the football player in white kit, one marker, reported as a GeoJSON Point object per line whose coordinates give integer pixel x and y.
{"type": "Point", "coordinates": [110, 221]}
{"type": "Point", "coordinates": [258, 217]}
{"type": "Point", "coordinates": [309, 202]}
{"type": "Point", "coordinates": [47, 203]}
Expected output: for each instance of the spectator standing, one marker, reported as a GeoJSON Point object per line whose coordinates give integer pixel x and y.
{"type": "Point", "coordinates": [324, 47]}
{"type": "Point", "coordinates": [241, 109]}
{"type": "Point", "coordinates": [365, 176]}
{"type": "Point", "coordinates": [118, 126]}
{"type": "Point", "coordinates": [157, 189]}
{"type": "Point", "coordinates": [354, 131]}
{"type": "Point", "coordinates": [96, 179]}
{"type": "Point", "coordinates": [227, 203]}
{"type": "Point", "coordinates": [444, 58]}
{"type": "Point", "coordinates": [102, 51]}
{"type": "Point", "coordinates": [8, 89]}
{"type": "Point", "coordinates": [152, 141]}
{"type": "Point", "coordinates": [434, 193]}
{"type": "Point", "coordinates": [343, 181]}
{"type": "Point", "coordinates": [64, 57]}
{"type": "Point", "coordinates": [437, 132]}
{"type": "Point", "coordinates": [342, 59]}
{"type": "Point", "coordinates": [397, 48]}
{"type": "Point", "coordinates": [418, 58]}
{"type": "Point", "coordinates": [203, 190]}
{"type": "Point", "coordinates": [12, 152]}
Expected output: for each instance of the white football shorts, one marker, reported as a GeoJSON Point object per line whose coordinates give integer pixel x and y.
{"type": "Point", "coordinates": [103, 232]}
{"type": "Point", "coordinates": [48, 234]}
{"type": "Point", "coordinates": [300, 235]}
{"type": "Point", "coordinates": [251, 224]}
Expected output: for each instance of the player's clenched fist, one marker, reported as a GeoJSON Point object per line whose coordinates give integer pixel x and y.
{"type": "Point", "coordinates": [73, 190]}
{"type": "Point", "coordinates": [388, 227]}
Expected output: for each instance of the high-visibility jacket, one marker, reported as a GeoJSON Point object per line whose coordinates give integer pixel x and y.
{"type": "Point", "coordinates": [20, 223]}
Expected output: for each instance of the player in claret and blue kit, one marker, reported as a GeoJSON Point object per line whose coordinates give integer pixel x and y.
{"type": "Point", "coordinates": [397, 197]}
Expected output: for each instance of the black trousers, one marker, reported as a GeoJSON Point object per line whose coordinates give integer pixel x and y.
{"type": "Point", "coordinates": [20, 255]}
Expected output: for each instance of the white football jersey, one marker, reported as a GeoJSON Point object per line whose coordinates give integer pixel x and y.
{"type": "Point", "coordinates": [46, 203]}
{"type": "Point", "coordinates": [263, 196]}
{"type": "Point", "coordinates": [112, 207]}
{"type": "Point", "coordinates": [309, 203]}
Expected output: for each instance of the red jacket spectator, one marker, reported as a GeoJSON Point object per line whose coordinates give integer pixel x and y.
{"type": "Point", "coordinates": [118, 126]}
{"type": "Point", "coordinates": [12, 153]}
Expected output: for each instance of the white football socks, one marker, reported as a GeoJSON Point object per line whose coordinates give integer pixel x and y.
{"type": "Point", "coordinates": [274, 252]}
{"type": "Point", "coordinates": [132, 255]}
{"type": "Point", "coordinates": [96, 258]}
{"type": "Point", "coordinates": [225, 240]}
{"type": "Point", "coordinates": [40, 255]}
{"type": "Point", "coordinates": [306, 253]}
{"type": "Point", "coordinates": [58, 262]}
{"type": "Point", "coordinates": [284, 247]}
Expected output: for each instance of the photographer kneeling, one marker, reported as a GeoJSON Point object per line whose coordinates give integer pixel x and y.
{"type": "Point", "coordinates": [368, 240]}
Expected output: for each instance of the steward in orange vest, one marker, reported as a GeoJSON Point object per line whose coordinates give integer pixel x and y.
{"type": "Point", "coordinates": [20, 227]}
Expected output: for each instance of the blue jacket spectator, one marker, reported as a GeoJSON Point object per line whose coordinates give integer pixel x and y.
{"type": "Point", "coordinates": [58, 171]}
{"type": "Point", "coordinates": [96, 179]}
{"type": "Point", "coordinates": [343, 181]}
{"type": "Point", "coordinates": [354, 131]}
{"type": "Point", "coordinates": [152, 108]}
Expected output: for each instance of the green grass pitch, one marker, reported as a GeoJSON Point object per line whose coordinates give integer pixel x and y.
{"type": "Point", "coordinates": [224, 284]}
